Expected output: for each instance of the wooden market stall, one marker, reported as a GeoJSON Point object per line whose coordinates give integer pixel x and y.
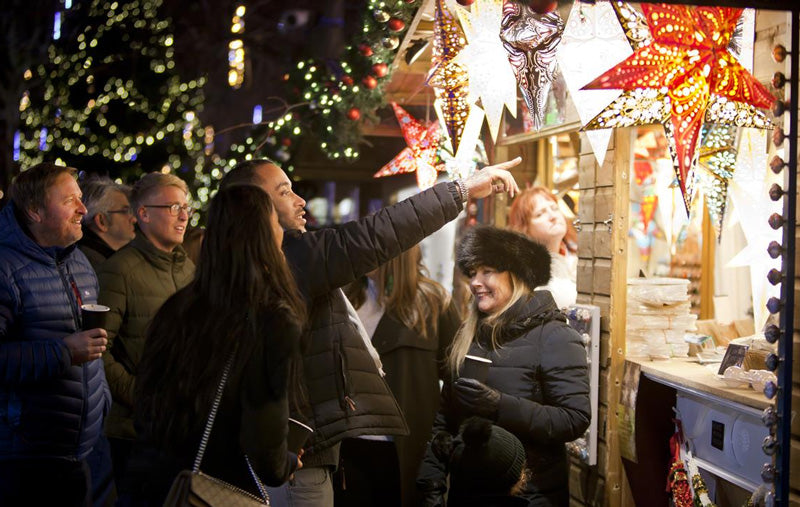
{"type": "Point", "coordinates": [603, 195]}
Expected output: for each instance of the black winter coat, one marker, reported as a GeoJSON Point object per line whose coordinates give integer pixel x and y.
{"type": "Point", "coordinates": [413, 366]}
{"type": "Point", "coordinates": [541, 372]}
{"type": "Point", "coordinates": [345, 395]}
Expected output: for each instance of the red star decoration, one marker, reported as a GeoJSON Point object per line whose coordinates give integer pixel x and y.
{"type": "Point", "coordinates": [422, 152]}
{"type": "Point", "coordinates": [689, 58]}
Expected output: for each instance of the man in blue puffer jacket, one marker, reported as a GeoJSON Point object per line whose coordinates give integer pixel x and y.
{"type": "Point", "coordinates": [53, 390]}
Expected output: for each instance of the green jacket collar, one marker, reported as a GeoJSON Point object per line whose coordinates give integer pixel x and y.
{"type": "Point", "coordinates": [156, 257]}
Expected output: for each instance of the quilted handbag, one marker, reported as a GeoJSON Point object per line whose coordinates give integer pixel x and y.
{"type": "Point", "coordinates": [193, 488]}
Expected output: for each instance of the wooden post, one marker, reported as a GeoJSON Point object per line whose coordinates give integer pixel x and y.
{"type": "Point", "coordinates": [615, 479]}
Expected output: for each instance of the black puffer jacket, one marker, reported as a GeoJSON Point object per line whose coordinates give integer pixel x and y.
{"type": "Point", "coordinates": [345, 395]}
{"type": "Point", "coordinates": [541, 373]}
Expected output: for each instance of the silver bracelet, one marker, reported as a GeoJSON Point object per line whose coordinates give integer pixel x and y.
{"type": "Point", "coordinates": [462, 188]}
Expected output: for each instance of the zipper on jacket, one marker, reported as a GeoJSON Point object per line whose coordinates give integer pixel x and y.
{"type": "Point", "coordinates": [345, 402]}
{"type": "Point", "coordinates": [74, 302]}
{"type": "Point", "coordinates": [72, 289]}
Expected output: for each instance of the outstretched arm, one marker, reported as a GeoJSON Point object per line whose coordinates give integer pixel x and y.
{"type": "Point", "coordinates": [329, 259]}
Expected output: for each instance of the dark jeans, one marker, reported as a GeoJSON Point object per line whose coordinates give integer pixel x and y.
{"type": "Point", "coordinates": [369, 474]}
{"type": "Point", "coordinates": [26, 482]}
{"type": "Point", "coordinates": [120, 455]}
{"type": "Point", "coordinates": [104, 492]}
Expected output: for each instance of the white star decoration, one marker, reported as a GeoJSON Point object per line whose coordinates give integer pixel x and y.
{"type": "Point", "coordinates": [491, 78]}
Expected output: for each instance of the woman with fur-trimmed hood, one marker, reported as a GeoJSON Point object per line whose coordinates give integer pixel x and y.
{"type": "Point", "coordinates": [538, 385]}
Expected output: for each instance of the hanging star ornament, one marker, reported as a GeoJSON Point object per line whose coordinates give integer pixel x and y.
{"type": "Point", "coordinates": [491, 78]}
{"type": "Point", "coordinates": [420, 156]}
{"type": "Point", "coordinates": [592, 43]}
{"type": "Point", "coordinates": [717, 162]}
{"type": "Point", "coordinates": [749, 186]}
{"type": "Point", "coordinates": [531, 41]}
{"type": "Point", "coordinates": [688, 57]}
{"type": "Point", "coordinates": [447, 77]}
{"type": "Point", "coordinates": [643, 106]}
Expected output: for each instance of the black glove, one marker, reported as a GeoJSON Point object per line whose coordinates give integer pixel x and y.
{"type": "Point", "coordinates": [432, 499]}
{"type": "Point", "coordinates": [476, 398]}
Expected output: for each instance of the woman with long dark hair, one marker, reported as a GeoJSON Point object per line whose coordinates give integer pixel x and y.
{"type": "Point", "coordinates": [242, 304]}
{"type": "Point", "coordinates": [537, 386]}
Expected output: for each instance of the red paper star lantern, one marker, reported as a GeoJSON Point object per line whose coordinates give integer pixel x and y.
{"type": "Point", "coordinates": [420, 156]}
{"type": "Point", "coordinates": [688, 57]}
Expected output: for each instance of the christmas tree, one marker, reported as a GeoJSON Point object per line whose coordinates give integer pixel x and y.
{"type": "Point", "coordinates": [110, 100]}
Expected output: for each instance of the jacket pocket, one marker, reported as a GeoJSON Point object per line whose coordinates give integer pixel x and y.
{"type": "Point", "coordinates": [344, 385]}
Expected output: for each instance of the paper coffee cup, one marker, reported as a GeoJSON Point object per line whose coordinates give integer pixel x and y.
{"type": "Point", "coordinates": [94, 316]}
{"type": "Point", "coordinates": [298, 435]}
{"type": "Point", "coordinates": [476, 367]}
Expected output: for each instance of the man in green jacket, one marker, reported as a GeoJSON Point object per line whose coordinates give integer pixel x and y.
{"type": "Point", "coordinates": [134, 283]}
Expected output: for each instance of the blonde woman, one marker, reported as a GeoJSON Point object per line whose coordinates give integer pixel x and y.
{"type": "Point", "coordinates": [537, 387]}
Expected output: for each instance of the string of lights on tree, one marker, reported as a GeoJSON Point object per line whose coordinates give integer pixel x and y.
{"type": "Point", "coordinates": [332, 101]}
{"type": "Point", "coordinates": [109, 100]}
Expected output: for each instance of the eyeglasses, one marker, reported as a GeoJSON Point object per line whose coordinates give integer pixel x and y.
{"type": "Point", "coordinates": [126, 210]}
{"type": "Point", "coordinates": [174, 209]}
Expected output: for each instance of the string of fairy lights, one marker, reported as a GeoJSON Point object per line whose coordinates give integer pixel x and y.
{"type": "Point", "coordinates": [236, 50]}
{"type": "Point", "coordinates": [333, 101]}
{"type": "Point", "coordinates": [84, 107]}
{"type": "Point", "coordinates": [81, 112]}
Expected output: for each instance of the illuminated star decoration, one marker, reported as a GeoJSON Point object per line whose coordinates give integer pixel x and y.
{"type": "Point", "coordinates": [447, 77]}
{"type": "Point", "coordinates": [643, 173]}
{"type": "Point", "coordinates": [689, 57]}
{"type": "Point", "coordinates": [748, 189]}
{"type": "Point", "coordinates": [420, 156]}
{"type": "Point", "coordinates": [491, 78]}
{"type": "Point", "coordinates": [531, 40]}
{"type": "Point", "coordinates": [717, 162]}
{"type": "Point", "coordinates": [592, 43]}
{"type": "Point", "coordinates": [647, 106]}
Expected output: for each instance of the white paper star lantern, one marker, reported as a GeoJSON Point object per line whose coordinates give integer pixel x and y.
{"type": "Point", "coordinates": [593, 42]}
{"type": "Point", "coordinates": [491, 78]}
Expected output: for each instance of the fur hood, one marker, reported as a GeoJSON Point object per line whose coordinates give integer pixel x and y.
{"type": "Point", "coordinates": [504, 250]}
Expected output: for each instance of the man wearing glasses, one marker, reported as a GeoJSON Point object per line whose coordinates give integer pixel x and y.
{"type": "Point", "coordinates": [108, 224]}
{"type": "Point", "coordinates": [134, 283]}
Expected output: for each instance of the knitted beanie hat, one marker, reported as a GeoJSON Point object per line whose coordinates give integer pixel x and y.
{"type": "Point", "coordinates": [504, 250]}
{"type": "Point", "coordinates": [488, 461]}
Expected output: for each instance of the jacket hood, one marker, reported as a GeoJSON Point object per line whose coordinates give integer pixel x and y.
{"type": "Point", "coordinates": [16, 238]}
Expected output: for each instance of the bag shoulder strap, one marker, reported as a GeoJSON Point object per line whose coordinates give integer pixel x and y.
{"type": "Point", "coordinates": [212, 414]}
{"type": "Point", "coordinates": [210, 424]}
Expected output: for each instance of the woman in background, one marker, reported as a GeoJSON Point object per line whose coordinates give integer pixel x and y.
{"type": "Point", "coordinates": [412, 321]}
{"type": "Point", "coordinates": [537, 386]}
{"type": "Point", "coordinates": [535, 213]}
{"type": "Point", "coordinates": [242, 304]}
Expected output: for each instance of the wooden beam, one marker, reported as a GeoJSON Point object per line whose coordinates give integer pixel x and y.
{"type": "Point", "coordinates": [426, 7]}
{"type": "Point", "coordinates": [707, 262]}
{"type": "Point", "coordinates": [619, 297]}
{"type": "Point", "coordinates": [382, 130]}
